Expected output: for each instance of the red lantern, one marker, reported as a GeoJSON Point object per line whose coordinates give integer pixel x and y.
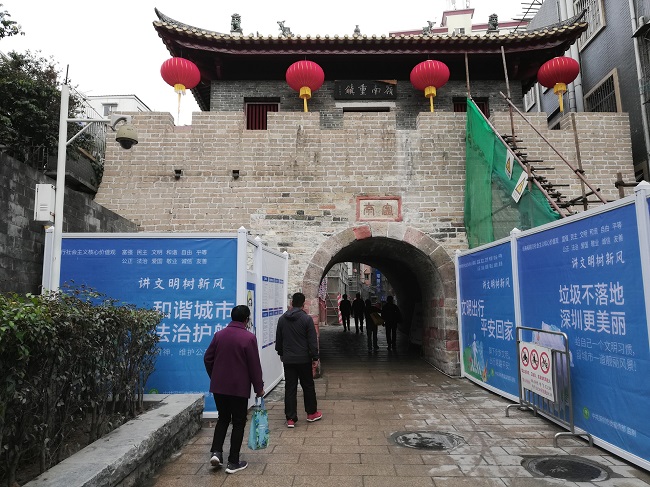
{"type": "Point", "coordinates": [557, 73]}
{"type": "Point", "coordinates": [181, 74]}
{"type": "Point", "coordinates": [429, 76]}
{"type": "Point", "coordinates": [305, 77]}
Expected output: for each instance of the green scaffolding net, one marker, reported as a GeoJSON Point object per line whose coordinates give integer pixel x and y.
{"type": "Point", "coordinates": [491, 211]}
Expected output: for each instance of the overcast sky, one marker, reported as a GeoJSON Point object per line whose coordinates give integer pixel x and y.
{"type": "Point", "coordinates": [111, 47]}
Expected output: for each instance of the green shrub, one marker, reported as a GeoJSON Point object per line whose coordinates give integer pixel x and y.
{"type": "Point", "coordinates": [65, 359]}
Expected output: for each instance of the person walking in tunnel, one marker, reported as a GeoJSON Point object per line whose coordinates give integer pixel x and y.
{"type": "Point", "coordinates": [371, 326]}
{"type": "Point", "coordinates": [297, 345]}
{"type": "Point", "coordinates": [392, 316]}
{"type": "Point", "coordinates": [358, 312]}
{"type": "Point", "coordinates": [345, 307]}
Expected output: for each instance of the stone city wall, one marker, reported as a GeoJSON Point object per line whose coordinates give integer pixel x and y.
{"type": "Point", "coordinates": [304, 189]}
{"type": "Point", "coordinates": [299, 184]}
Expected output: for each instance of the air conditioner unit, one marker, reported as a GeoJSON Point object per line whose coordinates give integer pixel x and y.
{"type": "Point", "coordinates": [44, 204]}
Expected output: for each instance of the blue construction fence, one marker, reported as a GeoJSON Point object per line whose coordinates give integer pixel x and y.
{"type": "Point", "coordinates": [587, 276]}
{"type": "Point", "coordinates": [194, 280]}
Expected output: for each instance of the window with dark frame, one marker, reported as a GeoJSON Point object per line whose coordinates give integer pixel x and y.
{"type": "Point", "coordinates": [460, 105]}
{"type": "Point", "coordinates": [256, 114]}
{"type": "Point", "coordinates": [603, 97]}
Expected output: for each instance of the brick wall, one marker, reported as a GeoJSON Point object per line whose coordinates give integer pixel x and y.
{"type": "Point", "coordinates": [603, 142]}
{"type": "Point", "coordinates": [22, 239]}
{"type": "Point", "coordinates": [298, 183]}
{"type": "Point", "coordinates": [232, 95]}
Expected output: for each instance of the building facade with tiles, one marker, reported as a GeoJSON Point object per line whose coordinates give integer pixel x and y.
{"type": "Point", "coordinates": [376, 181]}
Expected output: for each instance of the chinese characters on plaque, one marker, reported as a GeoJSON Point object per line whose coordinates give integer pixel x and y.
{"type": "Point", "coordinates": [365, 90]}
{"type": "Point", "coordinates": [385, 208]}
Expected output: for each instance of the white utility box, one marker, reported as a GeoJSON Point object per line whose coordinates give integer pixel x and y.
{"type": "Point", "coordinates": [44, 203]}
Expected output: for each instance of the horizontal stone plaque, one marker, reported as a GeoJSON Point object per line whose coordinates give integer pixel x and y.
{"type": "Point", "coordinates": [365, 90]}
{"type": "Point", "coordinates": [379, 208]}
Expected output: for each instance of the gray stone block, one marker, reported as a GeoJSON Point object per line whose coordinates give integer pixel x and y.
{"type": "Point", "coordinates": [130, 453]}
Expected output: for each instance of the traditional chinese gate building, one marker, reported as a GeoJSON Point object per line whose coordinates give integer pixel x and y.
{"type": "Point", "coordinates": [368, 175]}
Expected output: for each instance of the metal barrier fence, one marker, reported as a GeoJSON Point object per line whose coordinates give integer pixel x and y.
{"type": "Point", "coordinates": [560, 408]}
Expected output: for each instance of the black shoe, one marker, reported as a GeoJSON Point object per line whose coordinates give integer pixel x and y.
{"type": "Point", "coordinates": [216, 459]}
{"type": "Point", "coordinates": [236, 467]}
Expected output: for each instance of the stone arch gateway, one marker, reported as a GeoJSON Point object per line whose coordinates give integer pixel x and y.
{"type": "Point", "coordinates": [421, 273]}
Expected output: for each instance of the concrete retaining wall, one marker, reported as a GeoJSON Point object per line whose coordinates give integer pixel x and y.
{"type": "Point", "coordinates": [131, 453]}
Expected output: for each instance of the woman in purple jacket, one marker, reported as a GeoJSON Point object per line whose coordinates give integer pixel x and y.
{"type": "Point", "coordinates": [233, 363]}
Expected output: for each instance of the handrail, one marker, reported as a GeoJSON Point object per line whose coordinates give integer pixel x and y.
{"type": "Point", "coordinates": [524, 167]}
{"type": "Point", "coordinates": [577, 172]}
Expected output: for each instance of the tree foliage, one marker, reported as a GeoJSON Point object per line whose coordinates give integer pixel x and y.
{"type": "Point", "coordinates": [8, 27]}
{"type": "Point", "coordinates": [31, 100]}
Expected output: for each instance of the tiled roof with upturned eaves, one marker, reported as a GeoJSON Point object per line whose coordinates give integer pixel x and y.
{"type": "Point", "coordinates": [240, 57]}
{"type": "Point", "coordinates": [565, 32]}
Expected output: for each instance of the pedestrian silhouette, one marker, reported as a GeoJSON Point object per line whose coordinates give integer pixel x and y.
{"type": "Point", "coordinates": [345, 306]}
{"type": "Point", "coordinates": [358, 311]}
{"type": "Point", "coordinates": [371, 326]}
{"type": "Point", "coordinates": [392, 316]}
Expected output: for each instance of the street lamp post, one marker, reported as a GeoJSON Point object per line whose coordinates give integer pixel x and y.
{"type": "Point", "coordinates": [51, 280]}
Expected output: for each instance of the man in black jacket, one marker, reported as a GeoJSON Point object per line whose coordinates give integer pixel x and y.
{"type": "Point", "coordinates": [391, 315]}
{"type": "Point", "coordinates": [297, 345]}
{"type": "Point", "coordinates": [345, 307]}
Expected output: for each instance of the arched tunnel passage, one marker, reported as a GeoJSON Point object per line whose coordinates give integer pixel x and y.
{"type": "Point", "coordinates": [403, 267]}
{"type": "Point", "coordinates": [422, 276]}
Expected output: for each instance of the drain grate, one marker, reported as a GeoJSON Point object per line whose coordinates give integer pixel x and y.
{"type": "Point", "coordinates": [571, 468]}
{"type": "Point", "coordinates": [427, 440]}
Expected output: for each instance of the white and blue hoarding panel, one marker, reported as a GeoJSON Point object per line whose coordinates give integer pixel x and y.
{"type": "Point", "coordinates": [584, 279]}
{"type": "Point", "coordinates": [191, 280]}
{"type": "Point", "coordinates": [487, 315]}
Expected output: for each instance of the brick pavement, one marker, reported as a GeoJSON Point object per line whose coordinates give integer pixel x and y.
{"type": "Point", "coordinates": [366, 398]}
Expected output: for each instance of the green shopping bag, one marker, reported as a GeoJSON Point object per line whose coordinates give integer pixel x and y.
{"type": "Point", "coordinates": [258, 436]}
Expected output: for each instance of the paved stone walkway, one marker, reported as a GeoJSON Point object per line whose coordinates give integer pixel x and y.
{"type": "Point", "coordinates": [366, 399]}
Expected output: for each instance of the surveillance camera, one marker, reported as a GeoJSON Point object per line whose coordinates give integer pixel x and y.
{"type": "Point", "coordinates": [127, 136]}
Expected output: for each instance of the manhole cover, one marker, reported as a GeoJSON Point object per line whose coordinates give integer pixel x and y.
{"type": "Point", "coordinates": [427, 440]}
{"type": "Point", "coordinates": [569, 468]}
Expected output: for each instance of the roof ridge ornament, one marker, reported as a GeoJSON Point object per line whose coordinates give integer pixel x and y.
{"type": "Point", "coordinates": [235, 25]}
{"type": "Point", "coordinates": [493, 24]}
{"type": "Point", "coordinates": [427, 30]}
{"type": "Point", "coordinates": [284, 31]}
